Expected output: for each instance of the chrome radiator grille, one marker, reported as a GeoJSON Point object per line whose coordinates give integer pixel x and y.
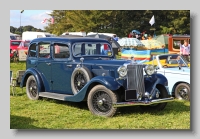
{"type": "Point", "coordinates": [135, 78]}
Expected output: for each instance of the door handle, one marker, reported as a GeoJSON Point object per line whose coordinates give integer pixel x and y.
{"type": "Point", "coordinates": [69, 66]}
{"type": "Point", "coordinates": [48, 64]}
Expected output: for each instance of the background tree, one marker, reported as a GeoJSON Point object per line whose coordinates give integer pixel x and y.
{"type": "Point", "coordinates": [121, 22]}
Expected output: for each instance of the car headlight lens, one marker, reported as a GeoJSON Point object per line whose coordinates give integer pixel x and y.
{"type": "Point", "coordinates": [122, 71]}
{"type": "Point", "coordinates": [149, 69]}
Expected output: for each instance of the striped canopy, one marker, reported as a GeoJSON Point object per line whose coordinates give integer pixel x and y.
{"type": "Point", "coordinates": [130, 42]}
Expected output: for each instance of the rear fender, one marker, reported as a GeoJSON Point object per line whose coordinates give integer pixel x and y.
{"type": "Point", "coordinates": [37, 76]}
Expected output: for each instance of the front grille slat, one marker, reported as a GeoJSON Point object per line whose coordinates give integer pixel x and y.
{"type": "Point", "coordinates": [135, 78]}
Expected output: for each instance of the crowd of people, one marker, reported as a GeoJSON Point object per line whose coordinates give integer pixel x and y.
{"type": "Point", "coordinates": [141, 36]}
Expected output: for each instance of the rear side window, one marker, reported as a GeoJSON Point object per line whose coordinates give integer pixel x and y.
{"type": "Point", "coordinates": [32, 50]}
{"type": "Point", "coordinates": [61, 50]}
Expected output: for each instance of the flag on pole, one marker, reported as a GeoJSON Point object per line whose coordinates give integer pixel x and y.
{"type": "Point", "coordinates": [21, 11]}
{"type": "Point", "coordinates": [44, 21]}
{"type": "Point", "coordinates": [52, 19]}
{"type": "Point", "coordinates": [152, 20]}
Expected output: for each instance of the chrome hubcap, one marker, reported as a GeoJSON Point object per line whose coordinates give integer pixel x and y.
{"type": "Point", "coordinates": [183, 93]}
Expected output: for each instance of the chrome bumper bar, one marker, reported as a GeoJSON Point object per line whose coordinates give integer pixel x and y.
{"type": "Point", "coordinates": [147, 102]}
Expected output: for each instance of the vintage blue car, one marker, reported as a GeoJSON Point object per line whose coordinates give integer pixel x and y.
{"type": "Point", "coordinates": [177, 70]}
{"type": "Point", "coordinates": [84, 69]}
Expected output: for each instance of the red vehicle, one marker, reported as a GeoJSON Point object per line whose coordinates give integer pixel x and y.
{"type": "Point", "coordinates": [13, 46]}
{"type": "Point", "coordinates": [23, 46]}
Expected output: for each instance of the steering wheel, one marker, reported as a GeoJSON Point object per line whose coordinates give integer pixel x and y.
{"type": "Point", "coordinates": [78, 54]}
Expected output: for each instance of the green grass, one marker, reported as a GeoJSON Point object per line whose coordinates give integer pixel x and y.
{"type": "Point", "coordinates": [53, 114]}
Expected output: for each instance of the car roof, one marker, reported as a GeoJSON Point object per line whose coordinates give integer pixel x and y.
{"type": "Point", "coordinates": [71, 39]}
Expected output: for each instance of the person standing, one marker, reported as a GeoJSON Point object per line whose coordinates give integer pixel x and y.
{"type": "Point", "coordinates": [115, 37]}
{"type": "Point", "coordinates": [185, 50]}
{"type": "Point", "coordinates": [130, 35]}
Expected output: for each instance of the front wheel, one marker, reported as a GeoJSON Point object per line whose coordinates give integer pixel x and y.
{"type": "Point", "coordinates": [100, 100]}
{"type": "Point", "coordinates": [32, 88]}
{"type": "Point", "coordinates": [162, 92]}
{"type": "Point", "coordinates": [182, 91]}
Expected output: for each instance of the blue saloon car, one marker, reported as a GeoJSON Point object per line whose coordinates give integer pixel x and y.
{"type": "Point", "coordinates": [84, 69]}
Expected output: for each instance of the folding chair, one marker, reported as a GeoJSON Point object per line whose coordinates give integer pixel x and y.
{"type": "Point", "coordinates": [15, 82]}
{"type": "Point", "coordinates": [12, 83]}
{"type": "Point", "coordinates": [19, 76]}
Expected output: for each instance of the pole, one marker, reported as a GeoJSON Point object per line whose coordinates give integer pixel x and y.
{"type": "Point", "coordinates": [20, 24]}
{"type": "Point", "coordinates": [154, 30]}
{"type": "Point", "coordinates": [20, 21]}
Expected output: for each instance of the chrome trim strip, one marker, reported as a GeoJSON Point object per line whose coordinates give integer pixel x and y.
{"type": "Point", "coordinates": [148, 102]}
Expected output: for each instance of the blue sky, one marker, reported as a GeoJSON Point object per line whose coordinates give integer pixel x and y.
{"type": "Point", "coordinates": [29, 17]}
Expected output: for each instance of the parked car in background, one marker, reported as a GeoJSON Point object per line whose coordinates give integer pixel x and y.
{"type": "Point", "coordinates": [13, 47]}
{"type": "Point", "coordinates": [84, 69]}
{"type": "Point", "coordinates": [23, 45]}
{"type": "Point", "coordinates": [14, 44]}
{"type": "Point", "coordinates": [22, 50]}
{"type": "Point", "coordinates": [177, 71]}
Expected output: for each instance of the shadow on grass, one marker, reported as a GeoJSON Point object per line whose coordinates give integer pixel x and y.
{"type": "Point", "coordinates": [19, 122]}
{"type": "Point", "coordinates": [176, 106]}
{"type": "Point", "coordinates": [79, 105]}
{"type": "Point", "coordinates": [171, 107]}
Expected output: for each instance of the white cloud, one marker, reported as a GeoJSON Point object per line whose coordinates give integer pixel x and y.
{"type": "Point", "coordinates": [28, 18]}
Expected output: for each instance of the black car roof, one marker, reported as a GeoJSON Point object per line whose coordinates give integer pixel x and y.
{"type": "Point", "coordinates": [70, 39]}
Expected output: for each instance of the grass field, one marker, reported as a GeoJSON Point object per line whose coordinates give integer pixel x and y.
{"type": "Point", "coordinates": [53, 114]}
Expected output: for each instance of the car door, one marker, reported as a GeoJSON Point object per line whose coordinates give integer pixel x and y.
{"type": "Point", "coordinates": [44, 64]}
{"type": "Point", "coordinates": [62, 68]}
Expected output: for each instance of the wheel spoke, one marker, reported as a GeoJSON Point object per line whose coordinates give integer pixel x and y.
{"type": "Point", "coordinates": [102, 102]}
{"type": "Point", "coordinates": [79, 81]}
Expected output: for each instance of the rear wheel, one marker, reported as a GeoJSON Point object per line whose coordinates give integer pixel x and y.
{"type": "Point", "coordinates": [100, 100]}
{"type": "Point", "coordinates": [32, 88]}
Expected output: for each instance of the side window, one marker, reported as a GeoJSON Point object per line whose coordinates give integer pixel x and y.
{"type": "Point", "coordinates": [177, 44]}
{"type": "Point", "coordinates": [44, 49]}
{"type": "Point", "coordinates": [61, 50]}
{"type": "Point", "coordinates": [32, 50]}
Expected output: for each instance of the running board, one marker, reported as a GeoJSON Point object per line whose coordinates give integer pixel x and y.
{"type": "Point", "coordinates": [54, 95]}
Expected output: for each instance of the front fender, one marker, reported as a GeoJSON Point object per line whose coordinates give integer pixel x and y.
{"type": "Point", "coordinates": [107, 81]}
{"type": "Point", "coordinates": [162, 79]}
{"type": "Point", "coordinates": [28, 72]}
{"type": "Point", "coordinates": [153, 78]}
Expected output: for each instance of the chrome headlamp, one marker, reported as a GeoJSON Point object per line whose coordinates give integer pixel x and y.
{"type": "Point", "coordinates": [122, 70]}
{"type": "Point", "coordinates": [149, 69]}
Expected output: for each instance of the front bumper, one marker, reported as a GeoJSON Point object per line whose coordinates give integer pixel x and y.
{"type": "Point", "coordinates": [146, 102]}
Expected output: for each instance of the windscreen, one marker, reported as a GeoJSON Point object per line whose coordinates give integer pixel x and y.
{"type": "Point", "coordinates": [92, 49]}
